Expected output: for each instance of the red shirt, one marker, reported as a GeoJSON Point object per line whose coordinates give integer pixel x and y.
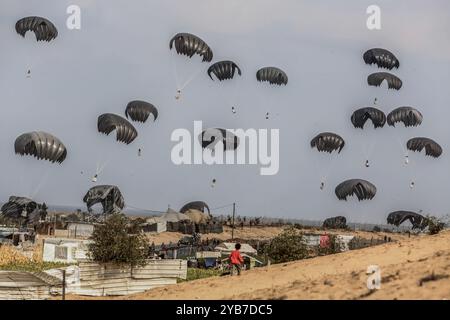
{"type": "Point", "coordinates": [236, 257]}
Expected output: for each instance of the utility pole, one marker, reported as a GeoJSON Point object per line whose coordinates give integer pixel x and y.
{"type": "Point", "coordinates": [64, 284]}
{"type": "Point", "coordinates": [232, 223]}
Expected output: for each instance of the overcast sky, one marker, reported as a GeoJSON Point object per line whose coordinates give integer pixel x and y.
{"type": "Point", "coordinates": [121, 54]}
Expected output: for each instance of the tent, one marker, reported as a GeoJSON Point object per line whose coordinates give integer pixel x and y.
{"type": "Point", "coordinates": [173, 216]}
{"type": "Point", "coordinates": [225, 247]}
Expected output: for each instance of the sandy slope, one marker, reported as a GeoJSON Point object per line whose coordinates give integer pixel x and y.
{"type": "Point", "coordinates": [340, 276]}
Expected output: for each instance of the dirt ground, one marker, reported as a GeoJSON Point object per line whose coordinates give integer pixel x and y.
{"type": "Point", "coordinates": [262, 233]}
{"type": "Point", "coordinates": [411, 268]}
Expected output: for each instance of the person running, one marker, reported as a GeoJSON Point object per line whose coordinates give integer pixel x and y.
{"type": "Point", "coordinates": [236, 259]}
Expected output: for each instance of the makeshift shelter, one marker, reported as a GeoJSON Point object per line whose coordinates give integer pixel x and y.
{"type": "Point", "coordinates": [175, 220]}
{"type": "Point", "coordinates": [173, 216]}
{"type": "Point", "coordinates": [65, 250]}
{"type": "Point", "coordinates": [154, 224]}
{"type": "Point", "coordinates": [226, 247]}
{"type": "Point", "coordinates": [80, 229]}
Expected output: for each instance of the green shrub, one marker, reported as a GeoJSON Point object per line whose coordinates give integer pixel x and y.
{"type": "Point", "coordinates": [287, 246]}
{"type": "Point", "coordinates": [197, 273]}
{"type": "Point", "coordinates": [114, 242]}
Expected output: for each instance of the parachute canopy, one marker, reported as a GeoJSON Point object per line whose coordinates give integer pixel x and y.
{"type": "Point", "coordinates": [195, 205]}
{"type": "Point", "coordinates": [432, 148]}
{"type": "Point", "coordinates": [338, 222]}
{"type": "Point", "coordinates": [362, 189]}
{"type": "Point", "coordinates": [188, 44]}
{"type": "Point", "coordinates": [408, 115]}
{"type": "Point", "coordinates": [210, 137]}
{"type": "Point", "coordinates": [223, 70]}
{"type": "Point", "coordinates": [418, 221]}
{"type": "Point", "coordinates": [139, 111]}
{"type": "Point", "coordinates": [328, 142]}
{"type": "Point", "coordinates": [108, 196]}
{"type": "Point", "coordinates": [375, 79]}
{"type": "Point", "coordinates": [41, 145]}
{"type": "Point", "coordinates": [382, 58]}
{"type": "Point", "coordinates": [198, 217]}
{"type": "Point", "coordinates": [23, 209]}
{"type": "Point", "coordinates": [272, 75]}
{"type": "Point", "coordinates": [43, 29]}
{"type": "Point", "coordinates": [125, 132]}
{"type": "Point", "coordinates": [360, 116]}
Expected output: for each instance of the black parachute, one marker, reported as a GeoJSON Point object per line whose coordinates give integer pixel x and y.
{"type": "Point", "coordinates": [195, 205]}
{"type": "Point", "coordinates": [139, 110]}
{"type": "Point", "coordinates": [210, 137]}
{"type": "Point", "coordinates": [409, 116]}
{"type": "Point", "coordinates": [375, 79]}
{"type": "Point", "coordinates": [224, 70]}
{"type": "Point", "coordinates": [432, 148]}
{"type": "Point", "coordinates": [338, 222]}
{"type": "Point", "coordinates": [43, 29]}
{"type": "Point", "coordinates": [362, 189]}
{"type": "Point", "coordinates": [382, 58]}
{"type": "Point", "coordinates": [108, 196]}
{"type": "Point", "coordinates": [189, 44]}
{"type": "Point", "coordinates": [22, 209]}
{"type": "Point", "coordinates": [418, 221]}
{"type": "Point", "coordinates": [125, 132]}
{"type": "Point", "coordinates": [328, 142]}
{"type": "Point", "coordinates": [360, 116]}
{"type": "Point", "coordinates": [272, 75]}
{"type": "Point", "coordinates": [41, 145]}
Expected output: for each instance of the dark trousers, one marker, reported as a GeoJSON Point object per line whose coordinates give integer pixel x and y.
{"type": "Point", "coordinates": [237, 267]}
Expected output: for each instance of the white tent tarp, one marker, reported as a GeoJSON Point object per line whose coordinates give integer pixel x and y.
{"type": "Point", "coordinates": [173, 216]}
{"type": "Point", "coordinates": [229, 246]}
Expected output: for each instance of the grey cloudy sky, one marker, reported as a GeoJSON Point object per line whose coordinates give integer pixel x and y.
{"type": "Point", "coordinates": [121, 53]}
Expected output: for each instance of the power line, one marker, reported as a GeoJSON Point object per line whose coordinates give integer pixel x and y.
{"type": "Point", "coordinates": [224, 206]}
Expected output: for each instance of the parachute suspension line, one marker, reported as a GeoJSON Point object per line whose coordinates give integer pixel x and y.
{"type": "Point", "coordinates": [142, 209]}
{"type": "Point", "coordinates": [403, 148]}
{"type": "Point", "coordinates": [101, 165]}
{"type": "Point", "coordinates": [330, 167]}
{"type": "Point", "coordinates": [372, 145]}
{"type": "Point", "coordinates": [231, 98]}
{"type": "Point", "coordinates": [42, 182]}
{"type": "Point", "coordinates": [221, 207]}
{"type": "Point", "coordinates": [175, 72]}
{"type": "Point", "coordinates": [324, 171]}
{"type": "Point", "coordinates": [190, 79]}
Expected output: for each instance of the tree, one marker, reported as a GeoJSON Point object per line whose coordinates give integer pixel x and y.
{"type": "Point", "coordinates": [113, 242]}
{"type": "Point", "coordinates": [287, 246]}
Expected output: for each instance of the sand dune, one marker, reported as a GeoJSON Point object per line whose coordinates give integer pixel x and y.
{"type": "Point", "coordinates": [341, 276]}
